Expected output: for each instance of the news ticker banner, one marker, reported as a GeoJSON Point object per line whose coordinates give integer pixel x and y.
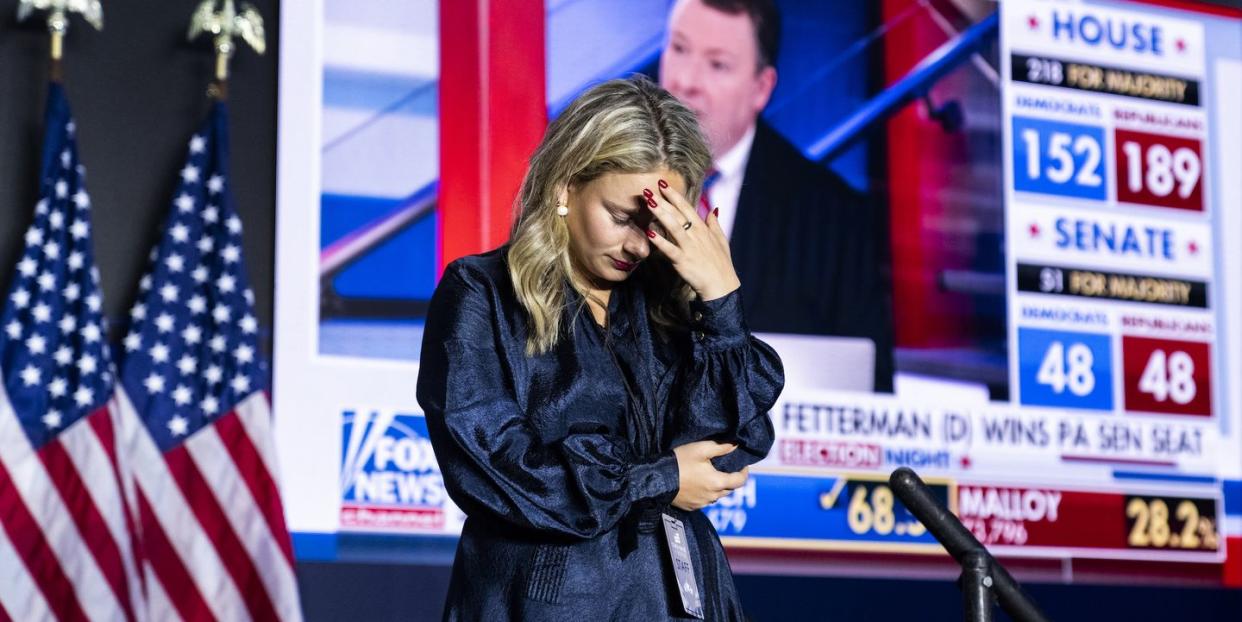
{"type": "Point", "coordinates": [859, 512]}
{"type": "Point", "coordinates": [1111, 241]}
{"type": "Point", "coordinates": [1028, 482]}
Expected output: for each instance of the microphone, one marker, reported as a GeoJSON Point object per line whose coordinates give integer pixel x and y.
{"type": "Point", "coordinates": [962, 545]}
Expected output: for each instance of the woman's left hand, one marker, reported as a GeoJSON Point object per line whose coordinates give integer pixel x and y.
{"type": "Point", "coordinates": [700, 254]}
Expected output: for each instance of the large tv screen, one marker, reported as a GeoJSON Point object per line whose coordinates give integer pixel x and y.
{"type": "Point", "coordinates": [1033, 276]}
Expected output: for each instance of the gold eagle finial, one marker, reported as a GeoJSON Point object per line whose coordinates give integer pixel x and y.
{"type": "Point", "coordinates": [58, 18]}
{"type": "Point", "coordinates": [224, 25]}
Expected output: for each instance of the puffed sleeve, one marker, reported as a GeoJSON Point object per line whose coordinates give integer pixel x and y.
{"type": "Point", "coordinates": [729, 383]}
{"type": "Point", "coordinates": [492, 459]}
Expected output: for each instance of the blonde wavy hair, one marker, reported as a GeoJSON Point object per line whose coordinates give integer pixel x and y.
{"type": "Point", "coordinates": [620, 126]}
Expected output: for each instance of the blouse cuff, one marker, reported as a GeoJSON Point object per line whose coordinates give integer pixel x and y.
{"type": "Point", "coordinates": [655, 480]}
{"type": "Point", "coordinates": [718, 324]}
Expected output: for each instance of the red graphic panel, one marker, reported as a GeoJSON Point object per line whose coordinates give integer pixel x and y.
{"type": "Point", "coordinates": [1049, 518]}
{"type": "Point", "coordinates": [1167, 376]}
{"type": "Point", "coordinates": [1043, 517]}
{"type": "Point", "coordinates": [1154, 169]}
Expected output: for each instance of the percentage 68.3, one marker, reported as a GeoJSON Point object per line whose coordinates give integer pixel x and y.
{"type": "Point", "coordinates": [874, 513]}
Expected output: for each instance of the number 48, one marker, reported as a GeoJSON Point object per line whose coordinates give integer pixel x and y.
{"type": "Point", "coordinates": [1169, 376]}
{"type": "Point", "coordinates": [1062, 369]}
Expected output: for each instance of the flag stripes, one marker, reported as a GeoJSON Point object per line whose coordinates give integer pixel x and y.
{"type": "Point", "coordinates": [70, 564]}
{"type": "Point", "coordinates": [149, 494]}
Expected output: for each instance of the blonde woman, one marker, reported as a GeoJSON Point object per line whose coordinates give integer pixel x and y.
{"type": "Point", "coordinates": [591, 384]}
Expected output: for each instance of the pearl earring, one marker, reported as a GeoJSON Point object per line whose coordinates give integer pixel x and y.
{"type": "Point", "coordinates": [562, 209]}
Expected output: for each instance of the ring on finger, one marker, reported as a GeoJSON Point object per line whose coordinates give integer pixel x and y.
{"type": "Point", "coordinates": [687, 225]}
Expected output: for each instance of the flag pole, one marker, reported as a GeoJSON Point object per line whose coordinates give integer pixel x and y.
{"type": "Point", "coordinates": [225, 25]}
{"type": "Point", "coordinates": [58, 23]}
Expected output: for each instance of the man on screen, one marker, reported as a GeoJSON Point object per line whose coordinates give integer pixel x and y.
{"type": "Point", "coordinates": [801, 238]}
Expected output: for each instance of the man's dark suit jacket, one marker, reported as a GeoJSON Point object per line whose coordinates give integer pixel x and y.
{"type": "Point", "coordinates": [808, 253]}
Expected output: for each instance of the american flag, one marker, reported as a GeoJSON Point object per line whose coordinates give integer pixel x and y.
{"type": "Point", "coordinates": [193, 381]}
{"type": "Point", "coordinates": [67, 547]}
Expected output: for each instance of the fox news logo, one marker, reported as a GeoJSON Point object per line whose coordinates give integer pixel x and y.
{"type": "Point", "coordinates": [389, 476]}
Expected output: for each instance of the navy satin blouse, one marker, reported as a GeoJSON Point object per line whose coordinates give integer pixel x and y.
{"type": "Point", "coordinates": [563, 461]}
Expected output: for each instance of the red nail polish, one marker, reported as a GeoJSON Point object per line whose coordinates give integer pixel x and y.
{"type": "Point", "coordinates": [647, 193]}
{"type": "Point", "coordinates": [663, 184]}
{"type": "Point", "coordinates": [651, 234]}
{"type": "Point", "coordinates": [716, 212]}
{"type": "Point", "coordinates": [651, 203]}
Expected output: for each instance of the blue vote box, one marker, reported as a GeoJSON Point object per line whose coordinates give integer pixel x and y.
{"type": "Point", "coordinates": [1065, 369]}
{"type": "Point", "coordinates": [1059, 158]}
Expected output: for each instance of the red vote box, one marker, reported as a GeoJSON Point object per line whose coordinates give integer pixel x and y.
{"type": "Point", "coordinates": [1042, 517]}
{"type": "Point", "coordinates": [1167, 376]}
{"type": "Point", "coordinates": [1160, 170]}
{"type": "Point", "coordinates": [1144, 525]}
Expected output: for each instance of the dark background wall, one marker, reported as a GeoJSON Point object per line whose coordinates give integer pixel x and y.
{"type": "Point", "coordinates": [375, 592]}
{"type": "Point", "coordinates": [138, 92]}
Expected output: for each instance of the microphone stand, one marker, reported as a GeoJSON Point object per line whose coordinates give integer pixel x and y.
{"type": "Point", "coordinates": [983, 579]}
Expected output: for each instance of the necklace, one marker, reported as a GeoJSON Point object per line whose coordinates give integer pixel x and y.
{"type": "Point", "coordinates": [602, 305]}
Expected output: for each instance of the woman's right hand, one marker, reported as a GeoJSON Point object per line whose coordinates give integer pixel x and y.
{"type": "Point", "coordinates": [701, 483]}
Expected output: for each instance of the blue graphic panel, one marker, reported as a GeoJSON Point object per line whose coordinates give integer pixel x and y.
{"type": "Point", "coordinates": [1065, 369]}
{"type": "Point", "coordinates": [1055, 157]}
{"type": "Point", "coordinates": [828, 508]}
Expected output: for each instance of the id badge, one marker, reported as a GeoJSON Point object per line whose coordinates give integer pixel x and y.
{"type": "Point", "coordinates": [683, 567]}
